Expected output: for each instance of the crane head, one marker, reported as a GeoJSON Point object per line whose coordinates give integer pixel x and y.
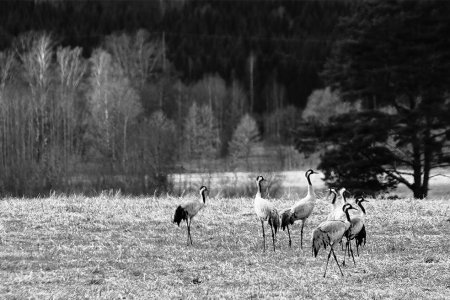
{"type": "Point", "coordinates": [259, 178]}
{"type": "Point", "coordinates": [343, 192]}
{"type": "Point", "coordinates": [309, 172]}
{"type": "Point", "coordinates": [203, 189]}
{"type": "Point", "coordinates": [360, 200]}
{"type": "Point", "coordinates": [333, 192]}
{"type": "Point", "coordinates": [347, 207]}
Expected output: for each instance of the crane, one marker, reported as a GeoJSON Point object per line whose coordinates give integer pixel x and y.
{"type": "Point", "coordinates": [357, 230]}
{"type": "Point", "coordinates": [300, 210]}
{"type": "Point", "coordinates": [188, 210]}
{"type": "Point", "coordinates": [338, 213]}
{"type": "Point", "coordinates": [266, 211]}
{"type": "Point", "coordinates": [330, 233]}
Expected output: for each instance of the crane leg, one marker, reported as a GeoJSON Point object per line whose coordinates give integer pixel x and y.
{"type": "Point", "coordinates": [346, 252]}
{"type": "Point", "coordinates": [326, 266]}
{"type": "Point", "coordinates": [301, 235]}
{"type": "Point", "coordinates": [189, 231]}
{"type": "Point", "coordinates": [264, 236]}
{"type": "Point", "coordinates": [357, 249]}
{"type": "Point", "coordinates": [351, 251]}
{"type": "Point", "coordinates": [336, 261]}
{"type": "Point", "coordinates": [273, 238]}
{"type": "Point", "coordinates": [290, 242]}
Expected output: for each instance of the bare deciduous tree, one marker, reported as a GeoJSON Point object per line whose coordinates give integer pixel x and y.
{"type": "Point", "coordinates": [244, 137]}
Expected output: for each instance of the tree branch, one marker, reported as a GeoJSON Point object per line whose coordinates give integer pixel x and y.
{"type": "Point", "coordinates": [399, 178]}
{"type": "Point", "coordinates": [445, 132]}
{"type": "Point", "coordinates": [436, 175]}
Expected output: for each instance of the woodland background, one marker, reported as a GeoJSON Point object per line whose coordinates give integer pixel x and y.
{"type": "Point", "coordinates": [98, 95]}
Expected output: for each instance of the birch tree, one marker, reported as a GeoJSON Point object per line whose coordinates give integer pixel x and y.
{"type": "Point", "coordinates": [114, 104]}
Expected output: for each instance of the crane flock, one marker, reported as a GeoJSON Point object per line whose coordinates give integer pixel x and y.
{"type": "Point", "coordinates": [338, 224]}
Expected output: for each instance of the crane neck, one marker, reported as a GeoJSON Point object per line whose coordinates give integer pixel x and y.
{"type": "Point", "coordinates": [203, 197]}
{"type": "Point", "coordinates": [333, 201]}
{"type": "Point", "coordinates": [309, 179]}
{"type": "Point", "coordinates": [362, 208]}
{"type": "Point", "coordinates": [347, 215]}
{"type": "Point", "coordinates": [343, 197]}
{"type": "Point", "coordinates": [258, 193]}
{"type": "Point", "coordinates": [310, 190]}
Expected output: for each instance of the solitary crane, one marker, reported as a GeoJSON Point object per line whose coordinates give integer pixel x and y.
{"type": "Point", "coordinates": [330, 233]}
{"type": "Point", "coordinates": [188, 210]}
{"type": "Point", "coordinates": [357, 229]}
{"type": "Point", "coordinates": [266, 211]}
{"type": "Point", "coordinates": [300, 210]}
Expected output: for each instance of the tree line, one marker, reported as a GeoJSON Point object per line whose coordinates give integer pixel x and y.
{"type": "Point", "coordinates": [369, 88]}
{"type": "Point", "coordinates": [272, 48]}
{"type": "Point", "coordinates": [119, 118]}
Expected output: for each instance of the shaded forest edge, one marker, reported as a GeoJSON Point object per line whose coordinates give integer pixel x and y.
{"type": "Point", "coordinates": [288, 41]}
{"type": "Point", "coordinates": [113, 94]}
{"type": "Point", "coordinates": [127, 97]}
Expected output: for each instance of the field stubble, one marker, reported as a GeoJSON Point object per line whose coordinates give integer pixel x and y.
{"type": "Point", "coordinates": [116, 247]}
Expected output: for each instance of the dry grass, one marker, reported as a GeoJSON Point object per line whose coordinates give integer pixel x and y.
{"type": "Point", "coordinates": [115, 247]}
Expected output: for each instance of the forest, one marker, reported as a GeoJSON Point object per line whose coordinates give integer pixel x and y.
{"type": "Point", "coordinates": [118, 94]}
{"type": "Point", "coordinates": [283, 43]}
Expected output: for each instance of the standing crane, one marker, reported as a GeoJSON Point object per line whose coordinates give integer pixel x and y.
{"type": "Point", "coordinates": [337, 213]}
{"type": "Point", "coordinates": [330, 233]}
{"type": "Point", "coordinates": [300, 210]}
{"type": "Point", "coordinates": [188, 210]}
{"type": "Point", "coordinates": [266, 211]}
{"type": "Point", "coordinates": [357, 230]}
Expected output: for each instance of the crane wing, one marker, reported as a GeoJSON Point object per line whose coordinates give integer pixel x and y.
{"type": "Point", "coordinates": [335, 229]}
{"type": "Point", "coordinates": [302, 209]}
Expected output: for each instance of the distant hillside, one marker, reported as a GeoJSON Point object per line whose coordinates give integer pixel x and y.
{"type": "Point", "coordinates": [287, 41]}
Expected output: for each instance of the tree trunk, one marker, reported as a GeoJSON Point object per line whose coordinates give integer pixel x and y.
{"type": "Point", "coordinates": [124, 155]}
{"type": "Point", "coordinates": [417, 168]}
{"type": "Point", "coordinates": [427, 154]}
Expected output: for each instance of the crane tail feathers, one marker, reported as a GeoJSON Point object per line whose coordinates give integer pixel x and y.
{"type": "Point", "coordinates": [286, 219]}
{"type": "Point", "coordinates": [180, 214]}
{"type": "Point", "coordinates": [319, 239]}
{"type": "Point", "coordinates": [360, 238]}
{"type": "Point", "coordinates": [316, 242]}
{"type": "Point", "coordinates": [274, 220]}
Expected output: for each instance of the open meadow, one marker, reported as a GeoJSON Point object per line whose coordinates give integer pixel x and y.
{"type": "Point", "coordinates": [118, 247]}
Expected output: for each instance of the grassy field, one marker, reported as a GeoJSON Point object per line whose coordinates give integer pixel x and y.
{"type": "Point", "coordinates": [117, 247]}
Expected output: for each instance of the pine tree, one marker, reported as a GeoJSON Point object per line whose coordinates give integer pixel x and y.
{"type": "Point", "coordinates": [392, 57]}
